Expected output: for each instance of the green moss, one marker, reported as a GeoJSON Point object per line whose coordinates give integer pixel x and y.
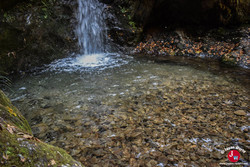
{"type": "Point", "coordinates": [22, 152]}
{"type": "Point", "coordinates": [11, 115]}
{"type": "Point", "coordinates": [19, 148]}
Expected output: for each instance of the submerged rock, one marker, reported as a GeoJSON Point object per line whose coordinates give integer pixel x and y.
{"type": "Point", "coordinates": [240, 112]}
{"type": "Point", "coordinates": [18, 147]}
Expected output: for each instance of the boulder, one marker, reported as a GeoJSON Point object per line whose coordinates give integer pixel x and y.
{"type": "Point", "coordinates": [18, 147]}
{"type": "Point", "coordinates": [34, 33]}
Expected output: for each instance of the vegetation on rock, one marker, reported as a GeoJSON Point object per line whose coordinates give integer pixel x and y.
{"type": "Point", "coordinates": [35, 33]}
{"type": "Point", "coordinates": [19, 148]}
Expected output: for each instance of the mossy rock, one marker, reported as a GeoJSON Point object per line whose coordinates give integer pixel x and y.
{"type": "Point", "coordinates": [23, 150]}
{"type": "Point", "coordinates": [11, 115]}
{"type": "Point", "coordinates": [34, 33]}
{"type": "Point", "coordinates": [19, 148]}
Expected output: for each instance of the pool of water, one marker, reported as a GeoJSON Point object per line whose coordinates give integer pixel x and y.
{"type": "Point", "coordinates": [116, 110]}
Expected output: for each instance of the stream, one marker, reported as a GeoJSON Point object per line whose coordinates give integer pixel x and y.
{"type": "Point", "coordinates": [119, 110]}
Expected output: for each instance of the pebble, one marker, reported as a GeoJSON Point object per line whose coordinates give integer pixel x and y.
{"type": "Point", "coordinates": [240, 113]}
{"type": "Point", "coordinates": [182, 121]}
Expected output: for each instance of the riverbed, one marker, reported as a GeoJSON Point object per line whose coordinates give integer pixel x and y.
{"type": "Point", "coordinates": [117, 110]}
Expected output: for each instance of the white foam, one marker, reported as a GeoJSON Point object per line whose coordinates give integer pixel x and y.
{"type": "Point", "coordinates": [92, 60]}
{"type": "Point", "coordinates": [88, 62]}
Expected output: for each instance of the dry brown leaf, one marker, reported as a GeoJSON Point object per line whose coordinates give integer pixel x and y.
{"type": "Point", "coordinates": [23, 159]}
{"type": "Point", "coordinates": [5, 156]}
{"type": "Point", "coordinates": [11, 129]}
{"type": "Point", "coordinates": [52, 162]}
{"type": "Point", "coordinates": [27, 136]}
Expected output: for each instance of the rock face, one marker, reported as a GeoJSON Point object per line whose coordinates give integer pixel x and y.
{"type": "Point", "coordinates": [7, 4]}
{"type": "Point", "coordinates": [34, 33]}
{"type": "Point", "coordinates": [182, 12]}
{"type": "Point", "coordinates": [19, 148]}
{"type": "Point", "coordinates": [122, 27]}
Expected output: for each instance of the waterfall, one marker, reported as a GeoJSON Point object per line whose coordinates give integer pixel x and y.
{"type": "Point", "coordinates": [91, 31]}
{"type": "Point", "coordinates": [91, 28]}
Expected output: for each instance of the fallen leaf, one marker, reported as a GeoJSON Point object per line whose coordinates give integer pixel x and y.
{"type": "Point", "coordinates": [27, 136]}
{"type": "Point", "coordinates": [22, 158]}
{"type": "Point", "coordinates": [11, 111]}
{"type": "Point", "coordinates": [5, 156]}
{"type": "Point", "coordinates": [11, 129]}
{"type": "Point", "coordinates": [52, 162]}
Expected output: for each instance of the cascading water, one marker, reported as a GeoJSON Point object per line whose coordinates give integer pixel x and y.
{"type": "Point", "coordinates": [91, 29]}
{"type": "Point", "coordinates": [91, 32]}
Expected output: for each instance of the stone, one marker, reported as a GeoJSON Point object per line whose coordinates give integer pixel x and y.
{"type": "Point", "coordinates": [40, 130]}
{"type": "Point", "coordinates": [240, 113]}
{"type": "Point", "coordinates": [151, 163]}
{"type": "Point", "coordinates": [170, 158]}
{"type": "Point", "coordinates": [17, 138]}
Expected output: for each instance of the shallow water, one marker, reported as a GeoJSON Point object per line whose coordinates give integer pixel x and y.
{"type": "Point", "coordinates": [119, 111]}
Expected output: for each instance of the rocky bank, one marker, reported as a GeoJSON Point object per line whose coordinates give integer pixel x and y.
{"type": "Point", "coordinates": [20, 148]}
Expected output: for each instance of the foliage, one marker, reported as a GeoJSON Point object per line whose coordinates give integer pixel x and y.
{"type": "Point", "coordinates": [123, 10]}
{"type": "Point", "coordinates": [127, 13]}
{"type": "Point", "coordinates": [46, 8]}
{"type": "Point", "coordinates": [8, 18]}
{"type": "Point", "coordinates": [132, 24]}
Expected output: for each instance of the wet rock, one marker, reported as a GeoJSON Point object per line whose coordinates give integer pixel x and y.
{"type": "Point", "coordinates": [170, 158]}
{"type": "Point", "coordinates": [75, 152]}
{"type": "Point", "coordinates": [193, 157]}
{"type": "Point", "coordinates": [16, 138]}
{"type": "Point", "coordinates": [163, 159]}
{"type": "Point", "coordinates": [216, 155]}
{"type": "Point", "coordinates": [240, 113]}
{"type": "Point", "coordinates": [45, 105]}
{"type": "Point", "coordinates": [151, 163]}
{"type": "Point", "coordinates": [40, 130]}
{"type": "Point", "coordinates": [100, 152]}
{"type": "Point", "coordinates": [213, 164]}
{"type": "Point", "coordinates": [181, 164]}
{"type": "Point", "coordinates": [36, 29]}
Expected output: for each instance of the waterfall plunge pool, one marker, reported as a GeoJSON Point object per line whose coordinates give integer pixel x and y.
{"type": "Point", "coordinates": [119, 111]}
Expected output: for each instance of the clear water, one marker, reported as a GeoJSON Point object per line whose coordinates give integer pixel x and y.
{"type": "Point", "coordinates": [137, 106]}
